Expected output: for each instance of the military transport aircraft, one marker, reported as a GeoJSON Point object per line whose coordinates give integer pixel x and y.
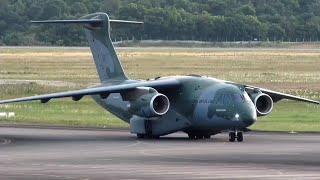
{"type": "Point", "coordinates": [199, 106]}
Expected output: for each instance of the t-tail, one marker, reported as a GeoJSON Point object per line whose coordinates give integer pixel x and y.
{"type": "Point", "coordinates": [97, 30]}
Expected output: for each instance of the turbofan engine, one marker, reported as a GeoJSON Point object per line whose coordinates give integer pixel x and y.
{"type": "Point", "coordinates": [149, 104]}
{"type": "Point", "coordinates": [263, 103]}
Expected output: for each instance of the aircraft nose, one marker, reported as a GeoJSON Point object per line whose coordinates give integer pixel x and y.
{"type": "Point", "coordinates": [250, 121]}
{"type": "Point", "coordinates": [249, 117]}
{"type": "Point", "coordinates": [247, 113]}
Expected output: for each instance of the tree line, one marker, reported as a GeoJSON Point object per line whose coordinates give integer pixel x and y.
{"type": "Point", "coordinates": [205, 20]}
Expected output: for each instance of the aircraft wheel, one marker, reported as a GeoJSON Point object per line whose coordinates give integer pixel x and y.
{"type": "Point", "coordinates": [156, 137]}
{"type": "Point", "coordinates": [232, 136]}
{"type": "Point", "coordinates": [140, 136]}
{"type": "Point", "coordinates": [200, 137]}
{"type": "Point", "coordinates": [239, 136]}
{"type": "Point", "coordinates": [192, 136]}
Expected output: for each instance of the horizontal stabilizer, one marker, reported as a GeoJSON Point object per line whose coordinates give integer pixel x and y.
{"type": "Point", "coordinates": [87, 21]}
{"type": "Point", "coordinates": [78, 21]}
{"type": "Point", "coordinates": [125, 22]}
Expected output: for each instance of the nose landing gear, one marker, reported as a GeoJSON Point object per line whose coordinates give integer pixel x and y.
{"type": "Point", "coordinates": [235, 135]}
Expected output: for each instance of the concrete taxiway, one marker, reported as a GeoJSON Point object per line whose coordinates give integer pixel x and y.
{"type": "Point", "coordinates": [30, 153]}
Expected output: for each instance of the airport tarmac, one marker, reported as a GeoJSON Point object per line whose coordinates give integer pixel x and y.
{"type": "Point", "coordinates": [31, 153]}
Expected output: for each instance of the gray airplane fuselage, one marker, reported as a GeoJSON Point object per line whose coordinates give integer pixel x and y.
{"type": "Point", "coordinates": [204, 105]}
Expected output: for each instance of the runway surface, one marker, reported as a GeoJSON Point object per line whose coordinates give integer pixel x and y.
{"type": "Point", "coordinates": [27, 153]}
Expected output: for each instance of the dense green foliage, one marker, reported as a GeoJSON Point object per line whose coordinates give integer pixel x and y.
{"type": "Point", "coordinates": [208, 20]}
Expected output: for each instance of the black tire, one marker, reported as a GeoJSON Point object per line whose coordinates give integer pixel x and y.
{"type": "Point", "coordinates": [155, 137]}
{"type": "Point", "coordinates": [192, 136]}
{"type": "Point", "coordinates": [239, 136]}
{"type": "Point", "coordinates": [140, 136]}
{"type": "Point", "coordinates": [199, 137]}
{"type": "Point", "coordinates": [232, 136]}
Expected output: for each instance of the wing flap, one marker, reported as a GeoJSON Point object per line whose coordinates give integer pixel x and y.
{"type": "Point", "coordinates": [103, 91]}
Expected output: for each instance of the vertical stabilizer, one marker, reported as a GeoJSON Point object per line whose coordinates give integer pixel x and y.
{"type": "Point", "coordinates": [104, 54]}
{"type": "Point", "coordinates": [97, 29]}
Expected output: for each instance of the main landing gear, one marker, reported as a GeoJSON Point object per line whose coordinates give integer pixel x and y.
{"type": "Point", "coordinates": [233, 135]}
{"type": "Point", "coordinates": [148, 134]}
{"type": "Point", "coordinates": [145, 136]}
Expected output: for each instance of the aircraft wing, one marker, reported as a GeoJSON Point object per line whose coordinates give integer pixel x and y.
{"type": "Point", "coordinates": [277, 96]}
{"type": "Point", "coordinates": [103, 91]}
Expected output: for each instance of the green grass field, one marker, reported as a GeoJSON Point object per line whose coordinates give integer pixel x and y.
{"type": "Point", "coordinates": [30, 71]}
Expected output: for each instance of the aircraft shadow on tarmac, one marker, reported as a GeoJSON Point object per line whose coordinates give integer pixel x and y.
{"type": "Point", "coordinates": [85, 138]}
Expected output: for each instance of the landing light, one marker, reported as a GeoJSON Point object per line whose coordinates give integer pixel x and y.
{"type": "Point", "coordinates": [237, 116]}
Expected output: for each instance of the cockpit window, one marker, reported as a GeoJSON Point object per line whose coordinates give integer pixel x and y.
{"type": "Point", "coordinates": [218, 99]}
{"type": "Point", "coordinates": [227, 98]}
{"type": "Point", "coordinates": [239, 98]}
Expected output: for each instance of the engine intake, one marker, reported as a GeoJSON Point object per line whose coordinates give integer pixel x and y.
{"type": "Point", "coordinates": [150, 105]}
{"type": "Point", "coordinates": [263, 103]}
{"type": "Point", "coordinates": [160, 104]}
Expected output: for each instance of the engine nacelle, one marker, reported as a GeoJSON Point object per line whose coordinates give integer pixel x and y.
{"type": "Point", "coordinates": [150, 105]}
{"type": "Point", "coordinates": [263, 103]}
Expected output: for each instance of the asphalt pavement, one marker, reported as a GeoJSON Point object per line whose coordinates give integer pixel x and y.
{"type": "Point", "coordinates": [33, 153]}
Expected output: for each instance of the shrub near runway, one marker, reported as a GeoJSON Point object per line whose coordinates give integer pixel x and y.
{"type": "Point", "coordinates": [56, 69]}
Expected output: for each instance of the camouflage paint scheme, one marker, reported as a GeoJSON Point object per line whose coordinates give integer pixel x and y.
{"type": "Point", "coordinates": [201, 106]}
{"type": "Point", "coordinates": [195, 106]}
